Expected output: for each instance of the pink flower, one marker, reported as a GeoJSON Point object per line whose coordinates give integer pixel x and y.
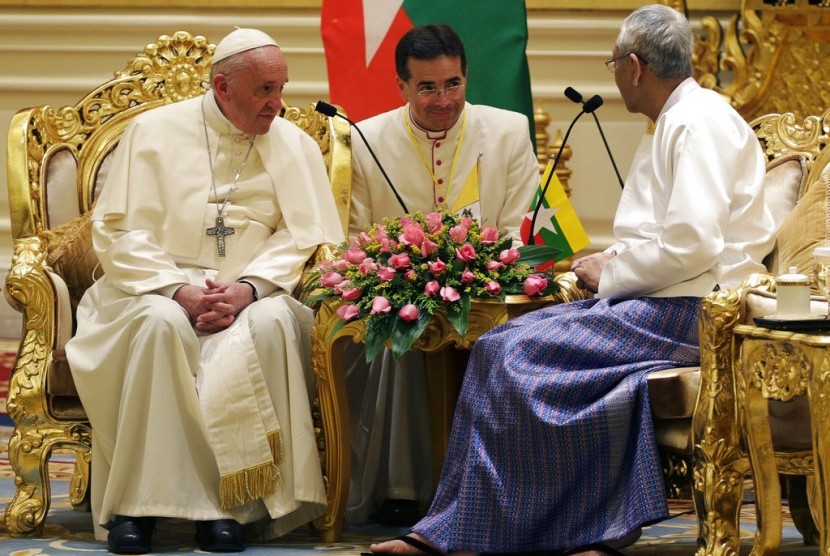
{"type": "Point", "coordinates": [368, 266]}
{"type": "Point", "coordinates": [400, 260]}
{"type": "Point", "coordinates": [489, 235]}
{"type": "Point", "coordinates": [380, 305]}
{"type": "Point", "coordinates": [466, 253]}
{"type": "Point", "coordinates": [427, 247]}
{"type": "Point", "coordinates": [434, 222]}
{"type": "Point", "coordinates": [347, 311]}
{"type": "Point", "coordinates": [355, 255]}
{"type": "Point", "coordinates": [351, 294]}
{"type": "Point", "coordinates": [509, 256]}
{"type": "Point", "coordinates": [386, 245]}
{"type": "Point", "coordinates": [386, 273]}
{"type": "Point", "coordinates": [364, 239]}
{"type": "Point", "coordinates": [450, 294]}
{"type": "Point", "coordinates": [467, 277]}
{"type": "Point", "coordinates": [466, 221]}
{"type": "Point", "coordinates": [381, 234]}
{"type": "Point", "coordinates": [432, 288]}
{"type": "Point", "coordinates": [437, 267]}
{"type": "Point", "coordinates": [493, 265]}
{"type": "Point", "coordinates": [412, 234]}
{"type": "Point", "coordinates": [340, 265]}
{"type": "Point", "coordinates": [344, 285]}
{"type": "Point", "coordinates": [410, 275]}
{"type": "Point", "coordinates": [535, 284]}
{"type": "Point", "coordinates": [409, 312]}
{"type": "Point", "coordinates": [492, 287]}
{"type": "Point", "coordinates": [330, 279]}
{"type": "Point", "coordinates": [458, 234]}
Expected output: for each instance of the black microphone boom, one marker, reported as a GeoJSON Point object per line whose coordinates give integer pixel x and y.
{"type": "Point", "coordinates": [331, 111]}
{"type": "Point", "coordinates": [574, 96]}
{"type": "Point", "coordinates": [530, 238]}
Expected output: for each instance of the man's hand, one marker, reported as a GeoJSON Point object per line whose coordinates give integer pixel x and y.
{"type": "Point", "coordinates": [214, 308]}
{"type": "Point", "coordinates": [588, 270]}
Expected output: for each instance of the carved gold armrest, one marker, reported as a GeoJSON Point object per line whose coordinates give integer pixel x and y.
{"type": "Point", "coordinates": [568, 290]}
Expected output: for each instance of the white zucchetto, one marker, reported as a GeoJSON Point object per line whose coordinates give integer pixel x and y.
{"type": "Point", "coordinates": [241, 40]}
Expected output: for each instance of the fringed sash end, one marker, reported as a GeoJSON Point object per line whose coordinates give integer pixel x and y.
{"type": "Point", "coordinates": [248, 484]}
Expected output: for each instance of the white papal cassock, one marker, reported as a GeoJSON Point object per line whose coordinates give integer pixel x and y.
{"type": "Point", "coordinates": [146, 376]}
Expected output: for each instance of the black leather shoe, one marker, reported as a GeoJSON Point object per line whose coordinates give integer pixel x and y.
{"type": "Point", "coordinates": [130, 535]}
{"type": "Point", "coordinates": [398, 513]}
{"type": "Point", "coordinates": [220, 535]}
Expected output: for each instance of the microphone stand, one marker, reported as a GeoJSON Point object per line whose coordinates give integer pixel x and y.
{"type": "Point", "coordinates": [530, 239]}
{"type": "Point", "coordinates": [608, 149]}
{"type": "Point", "coordinates": [329, 110]}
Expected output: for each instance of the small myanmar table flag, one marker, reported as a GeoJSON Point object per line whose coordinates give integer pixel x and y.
{"type": "Point", "coordinates": [557, 224]}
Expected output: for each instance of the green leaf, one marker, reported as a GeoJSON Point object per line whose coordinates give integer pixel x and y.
{"type": "Point", "coordinates": [378, 330]}
{"type": "Point", "coordinates": [336, 328]}
{"type": "Point", "coordinates": [405, 333]}
{"type": "Point", "coordinates": [533, 255]}
{"type": "Point", "coordinates": [315, 298]}
{"type": "Point", "coordinates": [458, 313]}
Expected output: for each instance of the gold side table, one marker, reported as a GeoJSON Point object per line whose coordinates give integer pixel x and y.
{"type": "Point", "coordinates": [440, 342]}
{"type": "Point", "coordinates": [782, 365]}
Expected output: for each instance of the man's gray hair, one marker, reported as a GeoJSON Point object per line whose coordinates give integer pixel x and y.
{"type": "Point", "coordinates": [661, 37]}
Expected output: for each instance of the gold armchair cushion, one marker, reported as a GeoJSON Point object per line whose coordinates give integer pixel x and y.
{"type": "Point", "coordinates": [70, 254]}
{"type": "Point", "coordinates": [805, 228]}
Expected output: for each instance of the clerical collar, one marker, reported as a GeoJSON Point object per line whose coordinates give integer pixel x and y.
{"type": "Point", "coordinates": [216, 120]}
{"type": "Point", "coordinates": [446, 134]}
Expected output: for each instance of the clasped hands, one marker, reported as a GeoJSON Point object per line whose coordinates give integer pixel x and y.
{"type": "Point", "coordinates": [214, 307]}
{"type": "Point", "coordinates": [589, 269]}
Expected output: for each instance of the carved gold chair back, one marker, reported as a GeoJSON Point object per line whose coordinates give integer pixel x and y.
{"type": "Point", "coordinates": [770, 59]}
{"type": "Point", "coordinates": [57, 163]}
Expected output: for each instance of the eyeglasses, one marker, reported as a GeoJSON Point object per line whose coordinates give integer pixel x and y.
{"type": "Point", "coordinates": [612, 63]}
{"type": "Point", "coordinates": [432, 92]}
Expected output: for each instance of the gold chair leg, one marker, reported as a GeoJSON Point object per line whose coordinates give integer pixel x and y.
{"type": "Point", "coordinates": [79, 485]}
{"type": "Point", "coordinates": [327, 362]}
{"type": "Point", "coordinates": [764, 475]}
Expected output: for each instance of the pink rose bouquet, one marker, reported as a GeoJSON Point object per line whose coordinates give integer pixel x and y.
{"type": "Point", "coordinates": [398, 274]}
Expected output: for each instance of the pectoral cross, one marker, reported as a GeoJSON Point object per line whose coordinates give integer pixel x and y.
{"type": "Point", "coordinates": [220, 231]}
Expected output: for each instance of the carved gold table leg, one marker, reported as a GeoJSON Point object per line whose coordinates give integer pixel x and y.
{"type": "Point", "coordinates": [819, 392]}
{"type": "Point", "coordinates": [783, 366]}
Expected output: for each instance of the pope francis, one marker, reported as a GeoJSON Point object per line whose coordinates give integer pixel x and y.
{"type": "Point", "coordinates": [191, 358]}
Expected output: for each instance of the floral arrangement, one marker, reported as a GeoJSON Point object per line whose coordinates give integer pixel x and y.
{"type": "Point", "coordinates": [398, 274]}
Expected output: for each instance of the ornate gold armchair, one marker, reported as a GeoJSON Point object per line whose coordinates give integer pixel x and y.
{"type": "Point", "coordinates": [57, 161]}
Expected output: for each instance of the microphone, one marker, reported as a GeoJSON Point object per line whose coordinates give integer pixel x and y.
{"type": "Point", "coordinates": [331, 111]}
{"type": "Point", "coordinates": [574, 96]}
{"type": "Point", "coordinates": [592, 104]}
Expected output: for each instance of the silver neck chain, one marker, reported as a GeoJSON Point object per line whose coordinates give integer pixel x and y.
{"type": "Point", "coordinates": [220, 209]}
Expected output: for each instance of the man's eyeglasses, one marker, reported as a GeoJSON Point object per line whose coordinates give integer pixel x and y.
{"type": "Point", "coordinates": [612, 63]}
{"type": "Point", "coordinates": [432, 92]}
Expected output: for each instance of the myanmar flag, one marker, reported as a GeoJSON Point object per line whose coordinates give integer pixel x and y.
{"type": "Point", "coordinates": [557, 224]}
{"type": "Point", "coordinates": [360, 36]}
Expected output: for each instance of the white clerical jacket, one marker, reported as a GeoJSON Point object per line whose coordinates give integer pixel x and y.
{"type": "Point", "coordinates": [497, 140]}
{"type": "Point", "coordinates": [692, 214]}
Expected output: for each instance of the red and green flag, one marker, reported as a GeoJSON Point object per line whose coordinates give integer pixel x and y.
{"type": "Point", "coordinates": [359, 37]}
